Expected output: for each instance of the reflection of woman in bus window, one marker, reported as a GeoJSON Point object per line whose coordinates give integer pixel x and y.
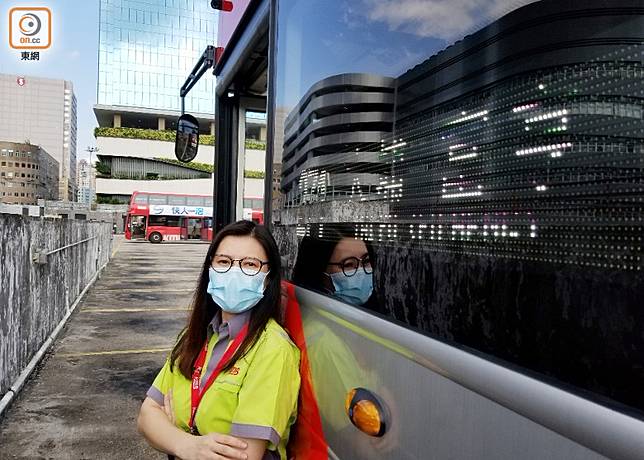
{"type": "Point", "coordinates": [331, 260]}
{"type": "Point", "coordinates": [334, 261]}
{"type": "Point", "coordinates": [234, 368]}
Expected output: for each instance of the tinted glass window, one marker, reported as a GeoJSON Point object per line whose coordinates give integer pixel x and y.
{"type": "Point", "coordinates": [158, 199]}
{"type": "Point", "coordinates": [157, 220]}
{"type": "Point", "coordinates": [485, 167]}
{"type": "Point", "coordinates": [141, 198]}
{"type": "Point", "coordinates": [165, 221]}
{"type": "Point", "coordinates": [194, 201]}
{"type": "Point", "coordinates": [177, 200]}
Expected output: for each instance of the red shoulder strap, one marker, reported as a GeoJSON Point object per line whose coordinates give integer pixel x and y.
{"type": "Point", "coordinates": [306, 441]}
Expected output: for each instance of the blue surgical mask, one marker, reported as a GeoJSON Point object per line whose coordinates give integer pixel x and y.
{"type": "Point", "coordinates": [354, 289]}
{"type": "Point", "coordinates": [234, 291]}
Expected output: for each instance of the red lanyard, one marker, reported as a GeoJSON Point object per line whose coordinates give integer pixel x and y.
{"type": "Point", "coordinates": [197, 391]}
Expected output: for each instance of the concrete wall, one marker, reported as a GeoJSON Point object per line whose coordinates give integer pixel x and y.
{"type": "Point", "coordinates": [146, 148]}
{"type": "Point", "coordinates": [254, 187]}
{"type": "Point", "coordinates": [34, 298]}
{"type": "Point", "coordinates": [127, 186]}
{"type": "Point", "coordinates": [255, 160]}
{"type": "Point", "coordinates": [143, 148]}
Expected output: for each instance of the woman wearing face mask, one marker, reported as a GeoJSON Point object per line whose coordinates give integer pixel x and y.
{"type": "Point", "coordinates": [336, 263]}
{"type": "Point", "coordinates": [229, 388]}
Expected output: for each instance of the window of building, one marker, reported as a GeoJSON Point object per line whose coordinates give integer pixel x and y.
{"type": "Point", "coordinates": [4, 163]}
{"type": "Point", "coordinates": [23, 165]}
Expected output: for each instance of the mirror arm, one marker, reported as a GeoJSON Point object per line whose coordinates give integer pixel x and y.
{"type": "Point", "coordinates": [205, 62]}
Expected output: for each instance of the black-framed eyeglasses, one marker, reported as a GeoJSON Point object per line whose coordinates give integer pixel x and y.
{"type": "Point", "coordinates": [350, 265]}
{"type": "Point", "coordinates": [250, 266]}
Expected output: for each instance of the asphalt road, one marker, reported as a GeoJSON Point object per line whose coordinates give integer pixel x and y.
{"type": "Point", "coordinates": [83, 399]}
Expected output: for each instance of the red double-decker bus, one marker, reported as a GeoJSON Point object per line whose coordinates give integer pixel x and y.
{"type": "Point", "coordinates": [158, 217]}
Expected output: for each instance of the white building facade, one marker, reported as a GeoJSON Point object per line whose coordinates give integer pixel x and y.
{"type": "Point", "coordinates": [86, 183]}
{"type": "Point", "coordinates": [42, 111]}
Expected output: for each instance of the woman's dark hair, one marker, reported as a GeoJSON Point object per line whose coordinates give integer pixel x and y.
{"type": "Point", "coordinates": [204, 308]}
{"type": "Point", "coordinates": [315, 253]}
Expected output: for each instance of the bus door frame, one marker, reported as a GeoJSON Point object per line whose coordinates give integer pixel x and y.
{"type": "Point", "coordinates": [145, 226]}
{"type": "Point", "coordinates": [253, 26]}
{"type": "Point", "coordinates": [225, 163]}
{"type": "Point", "coordinates": [246, 104]}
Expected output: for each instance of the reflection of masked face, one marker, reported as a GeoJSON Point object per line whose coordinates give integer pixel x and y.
{"type": "Point", "coordinates": [354, 289]}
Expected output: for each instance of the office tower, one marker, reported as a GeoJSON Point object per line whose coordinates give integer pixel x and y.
{"type": "Point", "coordinates": [146, 51]}
{"type": "Point", "coordinates": [86, 182]}
{"type": "Point", "coordinates": [27, 173]}
{"type": "Point", "coordinates": [42, 111]}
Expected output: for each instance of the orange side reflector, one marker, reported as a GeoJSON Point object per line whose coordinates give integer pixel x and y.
{"type": "Point", "coordinates": [365, 412]}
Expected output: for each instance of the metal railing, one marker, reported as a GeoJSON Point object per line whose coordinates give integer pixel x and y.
{"type": "Point", "coordinates": [40, 256]}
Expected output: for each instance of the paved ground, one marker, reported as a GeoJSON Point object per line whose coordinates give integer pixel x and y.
{"type": "Point", "coordinates": [83, 399]}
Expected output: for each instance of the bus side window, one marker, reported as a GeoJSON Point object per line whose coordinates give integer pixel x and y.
{"type": "Point", "coordinates": [141, 198]}
{"type": "Point", "coordinates": [158, 199]}
{"type": "Point", "coordinates": [176, 200]}
{"type": "Point", "coordinates": [195, 201]}
{"type": "Point", "coordinates": [173, 221]}
{"type": "Point", "coordinates": [160, 221]}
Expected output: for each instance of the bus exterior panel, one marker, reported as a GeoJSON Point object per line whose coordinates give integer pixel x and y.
{"type": "Point", "coordinates": [489, 161]}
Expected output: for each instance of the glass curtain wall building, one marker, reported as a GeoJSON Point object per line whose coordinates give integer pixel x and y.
{"type": "Point", "coordinates": [146, 49]}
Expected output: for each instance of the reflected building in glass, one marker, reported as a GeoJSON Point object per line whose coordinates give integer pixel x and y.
{"type": "Point", "coordinates": [507, 214]}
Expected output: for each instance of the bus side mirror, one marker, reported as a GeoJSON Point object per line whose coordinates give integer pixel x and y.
{"type": "Point", "coordinates": [187, 140]}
